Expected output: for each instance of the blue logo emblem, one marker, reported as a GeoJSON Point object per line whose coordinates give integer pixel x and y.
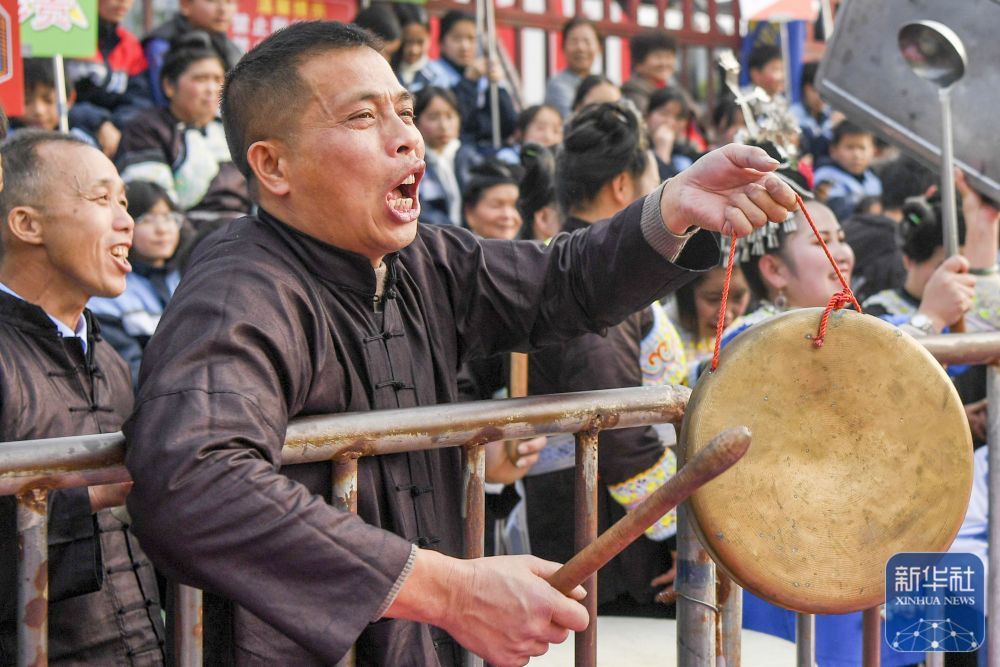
{"type": "Point", "coordinates": [935, 602]}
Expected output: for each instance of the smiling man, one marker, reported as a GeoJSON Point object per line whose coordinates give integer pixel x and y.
{"type": "Point", "coordinates": [333, 299]}
{"type": "Point", "coordinates": [65, 238]}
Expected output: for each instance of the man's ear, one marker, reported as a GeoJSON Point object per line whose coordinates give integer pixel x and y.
{"type": "Point", "coordinates": [774, 271]}
{"type": "Point", "coordinates": [168, 89]}
{"type": "Point", "coordinates": [24, 225]}
{"type": "Point", "coordinates": [267, 161]}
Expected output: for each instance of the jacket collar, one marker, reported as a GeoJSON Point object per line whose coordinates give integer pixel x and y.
{"type": "Point", "coordinates": [573, 223]}
{"type": "Point", "coordinates": [330, 263]}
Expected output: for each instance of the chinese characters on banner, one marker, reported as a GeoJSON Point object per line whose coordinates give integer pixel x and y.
{"type": "Point", "coordinates": [256, 19]}
{"type": "Point", "coordinates": [11, 81]}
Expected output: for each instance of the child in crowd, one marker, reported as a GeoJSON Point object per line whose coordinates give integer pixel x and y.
{"type": "Point", "coordinates": [469, 77]}
{"type": "Point", "coordinates": [595, 89]}
{"type": "Point", "coordinates": [41, 108]}
{"type": "Point", "coordinates": [581, 44]}
{"type": "Point", "coordinates": [667, 119]}
{"type": "Point", "coordinates": [129, 320]}
{"type": "Point", "coordinates": [698, 311]}
{"type": "Point", "coordinates": [411, 63]}
{"type": "Point", "coordinates": [849, 178]}
{"type": "Point", "coordinates": [113, 85]}
{"type": "Point", "coordinates": [767, 69]}
{"type": "Point", "coordinates": [210, 18]}
{"type": "Point", "coordinates": [541, 124]}
{"type": "Point", "coordinates": [815, 117]}
{"type": "Point", "coordinates": [448, 159]}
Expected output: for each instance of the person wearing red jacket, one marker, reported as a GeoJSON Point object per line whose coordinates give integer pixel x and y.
{"type": "Point", "coordinates": [111, 86]}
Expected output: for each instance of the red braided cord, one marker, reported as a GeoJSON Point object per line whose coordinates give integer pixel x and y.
{"type": "Point", "coordinates": [838, 301]}
{"type": "Point", "coordinates": [720, 323]}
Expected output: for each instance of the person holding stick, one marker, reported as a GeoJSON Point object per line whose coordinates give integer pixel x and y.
{"type": "Point", "coordinates": [333, 299]}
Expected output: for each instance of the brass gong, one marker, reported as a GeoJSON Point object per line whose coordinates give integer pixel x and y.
{"type": "Point", "coordinates": [861, 449]}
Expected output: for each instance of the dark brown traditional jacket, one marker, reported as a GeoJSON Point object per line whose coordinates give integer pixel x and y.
{"type": "Point", "coordinates": [271, 324]}
{"type": "Point", "coordinates": [104, 604]}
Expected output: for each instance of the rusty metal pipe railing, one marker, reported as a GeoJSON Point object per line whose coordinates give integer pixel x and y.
{"type": "Point", "coordinates": [33, 578]}
{"type": "Point", "coordinates": [89, 460]}
{"type": "Point", "coordinates": [584, 534]}
{"type": "Point", "coordinates": [73, 461]}
{"type": "Point", "coordinates": [729, 597]}
{"type": "Point", "coordinates": [805, 640]}
{"type": "Point", "coordinates": [29, 469]}
{"type": "Point", "coordinates": [993, 583]}
{"type": "Point", "coordinates": [696, 604]}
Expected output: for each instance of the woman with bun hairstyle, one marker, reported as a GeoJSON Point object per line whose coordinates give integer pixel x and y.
{"type": "Point", "coordinates": [604, 166]}
{"type": "Point", "coordinates": [537, 201]}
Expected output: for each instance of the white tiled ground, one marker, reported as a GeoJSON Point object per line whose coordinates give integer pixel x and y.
{"type": "Point", "coordinates": [647, 642]}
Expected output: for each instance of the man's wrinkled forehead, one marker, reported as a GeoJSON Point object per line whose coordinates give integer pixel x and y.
{"type": "Point", "coordinates": [338, 77]}
{"type": "Point", "coordinates": [77, 169]}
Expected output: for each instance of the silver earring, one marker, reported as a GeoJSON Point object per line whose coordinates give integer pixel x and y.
{"type": "Point", "coordinates": [781, 301]}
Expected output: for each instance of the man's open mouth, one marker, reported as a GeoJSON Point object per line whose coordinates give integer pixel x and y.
{"type": "Point", "coordinates": [403, 196]}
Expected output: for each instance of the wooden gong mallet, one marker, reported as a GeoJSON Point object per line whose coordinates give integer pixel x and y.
{"type": "Point", "coordinates": [719, 455]}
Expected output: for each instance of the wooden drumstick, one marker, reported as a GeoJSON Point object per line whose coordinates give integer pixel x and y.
{"type": "Point", "coordinates": [721, 453]}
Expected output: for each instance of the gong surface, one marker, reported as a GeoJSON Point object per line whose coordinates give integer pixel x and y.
{"type": "Point", "coordinates": [861, 449]}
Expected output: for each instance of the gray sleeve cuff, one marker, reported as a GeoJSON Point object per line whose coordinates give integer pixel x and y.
{"type": "Point", "coordinates": [661, 239]}
{"type": "Point", "coordinates": [400, 580]}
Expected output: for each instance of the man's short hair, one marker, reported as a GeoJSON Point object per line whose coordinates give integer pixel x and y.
{"type": "Point", "coordinates": [38, 73]}
{"type": "Point", "coordinates": [809, 71]}
{"type": "Point", "coordinates": [902, 179]}
{"type": "Point", "coordinates": [645, 43]}
{"type": "Point", "coordinates": [761, 55]}
{"type": "Point", "coordinates": [264, 94]}
{"type": "Point", "coordinates": [848, 128]}
{"type": "Point", "coordinates": [25, 180]}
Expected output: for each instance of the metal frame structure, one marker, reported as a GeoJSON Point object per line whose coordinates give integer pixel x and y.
{"type": "Point", "coordinates": [709, 613]}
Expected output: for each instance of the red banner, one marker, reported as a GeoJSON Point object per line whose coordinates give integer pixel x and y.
{"type": "Point", "coordinates": [256, 19]}
{"type": "Point", "coordinates": [11, 78]}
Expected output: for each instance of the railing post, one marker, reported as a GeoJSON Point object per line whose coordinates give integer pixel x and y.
{"type": "Point", "coordinates": [993, 585]}
{"type": "Point", "coordinates": [871, 637]}
{"type": "Point", "coordinates": [33, 579]}
{"type": "Point", "coordinates": [585, 519]}
{"type": "Point", "coordinates": [474, 474]}
{"type": "Point", "coordinates": [730, 602]}
{"type": "Point", "coordinates": [188, 626]}
{"type": "Point", "coordinates": [695, 586]}
{"type": "Point", "coordinates": [805, 640]}
{"type": "Point", "coordinates": [345, 496]}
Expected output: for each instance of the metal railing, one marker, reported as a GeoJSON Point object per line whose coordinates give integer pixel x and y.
{"type": "Point", "coordinates": [709, 619]}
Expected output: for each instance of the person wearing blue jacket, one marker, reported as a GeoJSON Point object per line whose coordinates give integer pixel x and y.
{"type": "Point", "coordinates": [128, 320]}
